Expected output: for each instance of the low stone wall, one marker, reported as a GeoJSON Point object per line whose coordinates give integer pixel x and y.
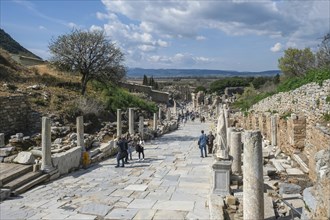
{"type": "Point", "coordinates": [67, 161]}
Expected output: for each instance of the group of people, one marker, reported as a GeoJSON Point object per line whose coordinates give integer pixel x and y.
{"type": "Point", "coordinates": [125, 144]}
{"type": "Point", "coordinates": [206, 140]}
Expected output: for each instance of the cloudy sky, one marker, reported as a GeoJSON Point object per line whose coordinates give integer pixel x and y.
{"type": "Point", "coordinates": [238, 35]}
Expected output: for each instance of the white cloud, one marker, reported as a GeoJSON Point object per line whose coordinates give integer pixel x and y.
{"type": "Point", "coordinates": [95, 28]}
{"type": "Point", "coordinates": [276, 48]}
{"type": "Point", "coordinates": [72, 25]}
{"type": "Point", "coordinates": [156, 24]}
{"type": "Point", "coordinates": [200, 38]}
{"type": "Point", "coordinates": [42, 27]}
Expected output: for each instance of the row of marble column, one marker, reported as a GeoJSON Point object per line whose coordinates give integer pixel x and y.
{"type": "Point", "coordinates": [46, 165]}
{"type": "Point", "coordinates": [131, 122]}
{"type": "Point", "coordinates": [253, 197]}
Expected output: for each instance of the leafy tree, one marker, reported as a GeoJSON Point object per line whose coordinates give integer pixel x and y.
{"type": "Point", "coordinates": [296, 62]}
{"type": "Point", "coordinates": [90, 54]}
{"type": "Point", "coordinates": [323, 54]}
{"type": "Point", "coordinates": [219, 86]}
{"type": "Point", "coordinates": [200, 88]}
{"type": "Point", "coordinates": [276, 79]}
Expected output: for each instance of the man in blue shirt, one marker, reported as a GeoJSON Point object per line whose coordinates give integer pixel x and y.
{"type": "Point", "coordinates": [202, 143]}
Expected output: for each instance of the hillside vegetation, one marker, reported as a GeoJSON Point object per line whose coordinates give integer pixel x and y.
{"type": "Point", "coordinates": [9, 44]}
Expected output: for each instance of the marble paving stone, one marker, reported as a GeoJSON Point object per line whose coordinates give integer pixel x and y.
{"type": "Point", "coordinates": [169, 183]}
{"type": "Point", "coordinates": [82, 217]}
{"type": "Point", "coordinates": [194, 185]}
{"type": "Point", "coordinates": [140, 187]}
{"type": "Point", "coordinates": [39, 215]}
{"type": "Point", "coordinates": [169, 215]}
{"type": "Point", "coordinates": [95, 209]}
{"type": "Point", "coordinates": [180, 195]}
{"type": "Point", "coordinates": [191, 179]}
{"type": "Point", "coordinates": [141, 204]}
{"type": "Point", "coordinates": [145, 214]}
{"type": "Point", "coordinates": [122, 193]}
{"type": "Point", "coordinates": [119, 213]}
{"type": "Point", "coordinates": [139, 195]}
{"type": "Point", "coordinates": [158, 195]}
{"type": "Point", "coordinates": [171, 177]}
{"type": "Point", "coordinates": [174, 205]}
{"type": "Point", "coordinates": [56, 215]}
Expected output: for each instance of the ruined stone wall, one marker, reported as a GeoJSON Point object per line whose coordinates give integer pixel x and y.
{"type": "Point", "coordinates": [156, 96]}
{"type": "Point", "coordinates": [13, 114]}
{"type": "Point", "coordinates": [309, 100]}
{"type": "Point", "coordinates": [16, 116]}
{"type": "Point", "coordinates": [299, 131]}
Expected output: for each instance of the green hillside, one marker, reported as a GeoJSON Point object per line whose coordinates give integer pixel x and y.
{"type": "Point", "coordinates": [9, 44]}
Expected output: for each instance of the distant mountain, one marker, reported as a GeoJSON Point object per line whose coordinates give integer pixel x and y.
{"type": "Point", "coordinates": [12, 46]}
{"type": "Point", "coordinates": [193, 73]}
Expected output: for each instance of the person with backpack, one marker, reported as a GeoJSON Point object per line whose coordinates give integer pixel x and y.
{"type": "Point", "coordinates": [202, 143]}
{"type": "Point", "coordinates": [122, 151]}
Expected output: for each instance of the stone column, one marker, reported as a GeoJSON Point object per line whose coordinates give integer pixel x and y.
{"type": "Point", "coordinates": [227, 117]}
{"type": "Point", "coordinates": [160, 114]}
{"type": "Point", "coordinates": [119, 125]}
{"type": "Point", "coordinates": [46, 160]}
{"type": "Point", "coordinates": [2, 139]}
{"type": "Point", "coordinates": [168, 115]}
{"type": "Point", "coordinates": [229, 131]}
{"type": "Point", "coordinates": [236, 152]}
{"type": "Point", "coordinates": [131, 120]}
{"type": "Point", "coordinates": [253, 184]}
{"type": "Point", "coordinates": [154, 127]}
{"type": "Point", "coordinates": [80, 133]}
{"type": "Point", "coordinates": [174, 108]}
{"type": "Point", "coordinates": [141, 126]}
{"type": "Point", "coordinates": [273, 125]}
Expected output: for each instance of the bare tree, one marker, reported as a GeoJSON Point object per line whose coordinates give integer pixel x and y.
{"type": "Point", "coordinates": [323, 54]}
{"type": "Point", "coordinates": [90, 54]}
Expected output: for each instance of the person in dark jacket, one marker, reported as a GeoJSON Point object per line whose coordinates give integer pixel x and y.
{"type": "Point", "coordinates": [210, 140]}
{"type": "Point", "coordinates": [202, 143]}
{"type": "Point", "coordinates": [122, 151]}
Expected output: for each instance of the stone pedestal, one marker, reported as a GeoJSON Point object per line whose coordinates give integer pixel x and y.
{"type": "Point", "coordinates": [273, 130]}
{"type": "Point", "coordinates": [253, 184]}
{"type": "Point", "coordinates": [221, 177]}
{"type": "Point", "coordinates": [2, 139]}
{"type": "Point", "coordinates": [46, 160]}
{"type": "Point", "coordinates": [154, 127]}
{"type": "Point", "coordinates": [236, 151]}
{"type": "Point", "coordinates": [119, 125]}
{"type": "Point", "coordinates": [141, 126]}
{"type": "Point", "coordinates": [80, 132]}
{"type": "Point", "coordinates": [131, 120]}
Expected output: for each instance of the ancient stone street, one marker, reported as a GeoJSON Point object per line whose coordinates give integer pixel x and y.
{"type": "Point", "coordinates": [173, 182]}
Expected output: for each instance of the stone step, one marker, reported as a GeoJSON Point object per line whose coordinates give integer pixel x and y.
{"type": "Point", "coordinates": [10, 172]}
{"type": "Point", "coordinates": [14, 184]}
{"type": "Point", "coordinates": [30, 184]}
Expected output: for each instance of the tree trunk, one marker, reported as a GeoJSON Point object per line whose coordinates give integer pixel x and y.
{"type": "Point", "coordinates": [84, 84]}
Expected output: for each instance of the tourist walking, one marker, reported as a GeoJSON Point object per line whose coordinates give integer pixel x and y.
{"type": "Point", "coordinates": [202, 143]}
{"type": "Point", "coordinates": [140, 149]}
{"type": "Point", "coordinates": [210, 140]}
{"type": "Point", "coordinates": [122, 151]}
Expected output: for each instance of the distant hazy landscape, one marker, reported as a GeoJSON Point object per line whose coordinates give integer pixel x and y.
{"type": "Point", "coordinates": [193, 73]}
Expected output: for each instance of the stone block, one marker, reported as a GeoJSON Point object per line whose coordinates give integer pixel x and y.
{"type": "Point", "coordinates": [289, 188]}
{"type": "Point", "coordinates": [67, 161]}
{"type": "Point", "coordinates": [5, 151]}
{"type": "Point", "coordinates": [105, 147]}
{"type": "Point", "coordinates": [25, 157]}
{"type": "Point", "coordinates": [310, 199]}
{"type": "Point", "coordinates": [4, 193]}
{"type": "Point", "coordinates": [230, 200]}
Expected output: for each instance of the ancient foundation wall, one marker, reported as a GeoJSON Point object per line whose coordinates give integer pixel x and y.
{"type": "Point", "coordinates": [157, 96]}
{"type": "Point", "coordinates": [16, 116]}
